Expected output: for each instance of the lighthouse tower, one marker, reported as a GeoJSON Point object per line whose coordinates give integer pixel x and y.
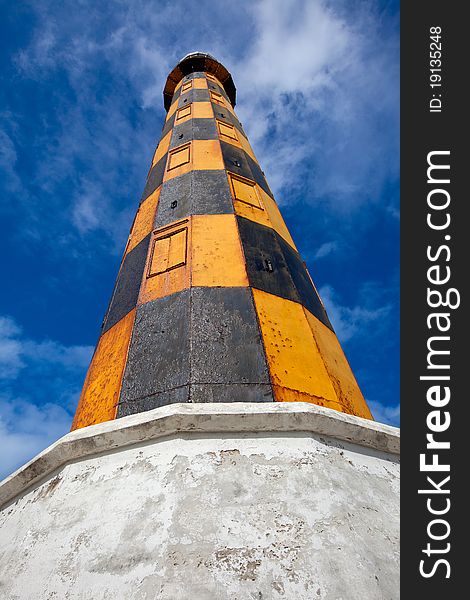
{"type": "Point", "coordinates": [212, 302]}
{"type": "Point", "coordinates": [221, 447]}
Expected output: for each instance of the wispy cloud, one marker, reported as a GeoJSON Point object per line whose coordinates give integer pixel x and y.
{"type": "Point", "coordinates": [11, 361]}
{"type": "Point", "coordinates": [385, 414]}
{"type": "Point", "coordinates": [32, 418]}
{"type": "Point", "coordinates": [350, 321]}
{"type": "Point", "coordinates": [315, 95]}
{"type": "Point", "coordinates": [26, 429]}
{"type": "Point", "coordinates": [18, 352]}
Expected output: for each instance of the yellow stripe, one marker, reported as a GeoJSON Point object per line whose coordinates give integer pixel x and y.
{"type": "Point", "coordinates": [201, 251]}
{"type": "Point", "coordinates": [261, 209]}
{"type": "Point", "coordinates": [197, 155]}
{"type": "Point", "coordinates": [158, 282]}
{"type": "Point", "coordinates": [200, 83]}
{"type": "Point", "coordinates": [294, 360]}
{"type": "Point", "coordinates": [283, 394]}
{"type": "Point", "coordinates": [100, 393]}
{"type": "Point", "coordinates": [337, 366]}
{"type": "Point", "coordinates": [217, 257]}
{"type": "Point", "coordinates": [144, 219]}
{"type": "Point", "coordinates": [162, 148]}
{"type": "Point", "coordinates": [171, 110]}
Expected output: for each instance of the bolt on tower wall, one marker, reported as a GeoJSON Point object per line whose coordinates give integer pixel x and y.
{"type": "Point", "coordinates": [212, 302]}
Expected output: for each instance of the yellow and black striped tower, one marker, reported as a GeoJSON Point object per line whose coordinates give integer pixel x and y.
{"type": "Point", "coordinates": [212, 302]}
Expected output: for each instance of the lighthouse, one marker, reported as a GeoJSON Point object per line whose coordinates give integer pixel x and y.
{"type": "Point", "coordinates": [221, 447]}
{"type": "Point", "coordinates": [212, 302]}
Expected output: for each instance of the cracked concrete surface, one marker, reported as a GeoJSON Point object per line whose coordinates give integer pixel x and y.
{"type": "Point", "coordinates": [209, 515]}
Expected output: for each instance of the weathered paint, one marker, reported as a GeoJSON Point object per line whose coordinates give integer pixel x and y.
{"type": "Point", "coordinates": [100, 392]}
{"type": "Point", "coordinates": [128, 282]}
{"type": "Point", "coordinates": [226, 345]}
{"type": "Point", "coordinates": [198, 155]}
{"type": "Point", "coordinates": [208, 229]}
{"type": "Point", "coordinates": [339, 371]}
{"type": "Point", "coordinates": [159, 354]}
{"type": "Point", "coordinates": [162, 148]}
{"type": "Point", "coordinates": [216, 253]}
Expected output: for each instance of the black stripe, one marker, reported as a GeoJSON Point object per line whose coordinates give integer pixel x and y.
{"type": "Point", "coordinates": [275, 267]}
{"type": "Point", "coordinates": [258, 175]}
{"type": "Point", "coordinates": [224, 114]}
{"type": "Point", "coordinates": [193, 129]}
{"type": "Point", "coordinates": [159, 351]}
{"type": "Point", "coordinates": [193, 96]}
{"type": "Point", "coordinates": [195, 193]}
{"type": "Point", "coordinates": [168, 125]}
{"type": "Point", "coordinates": [180, 394]}
{"type": "Point", "coordinates": [226, 341]}
{"type": "Point", "coordinates": [126, 289]}
{"type": "Point", "coordinates": [155, 178]}
{"type": "Point", "coordinates": [235, 160]}
{"type": "Point", "coordinates": [307, 293]}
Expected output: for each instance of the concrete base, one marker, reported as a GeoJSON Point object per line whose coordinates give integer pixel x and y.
{"type": "Point", "coordinates": [207, 501]}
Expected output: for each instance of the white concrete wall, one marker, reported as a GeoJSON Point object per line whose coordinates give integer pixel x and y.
{"type": "Point", "coordinates": [233, 513]}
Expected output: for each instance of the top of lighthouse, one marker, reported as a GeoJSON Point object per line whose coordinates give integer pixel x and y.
{"type": "Point", "coordinates": [198, 61]}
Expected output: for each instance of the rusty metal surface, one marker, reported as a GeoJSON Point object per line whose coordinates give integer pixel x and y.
{"type": "Point", "coordinates": [159, 353]}
{"type": "Point", "coordinates": [235, 160]}
{"type": "Point", "coordinates": [253, 392]}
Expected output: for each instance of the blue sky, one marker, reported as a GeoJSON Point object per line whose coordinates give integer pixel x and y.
{"type": "Point", "coordinates": [80, 114]}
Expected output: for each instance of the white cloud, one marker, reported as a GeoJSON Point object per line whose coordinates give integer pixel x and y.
{"type": "Point", "coordinates": [385, 414]}
{"type": "Point", "coordinates": [18, 352]}
{"type": "Point", "coordinates": [352, 321]}
{"type": "Point", "coordinates": [26, 429]}
{"type": "Point", "coordinates": [315, 96]}
{"type": "Point", "coordinates": [11, 361]}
